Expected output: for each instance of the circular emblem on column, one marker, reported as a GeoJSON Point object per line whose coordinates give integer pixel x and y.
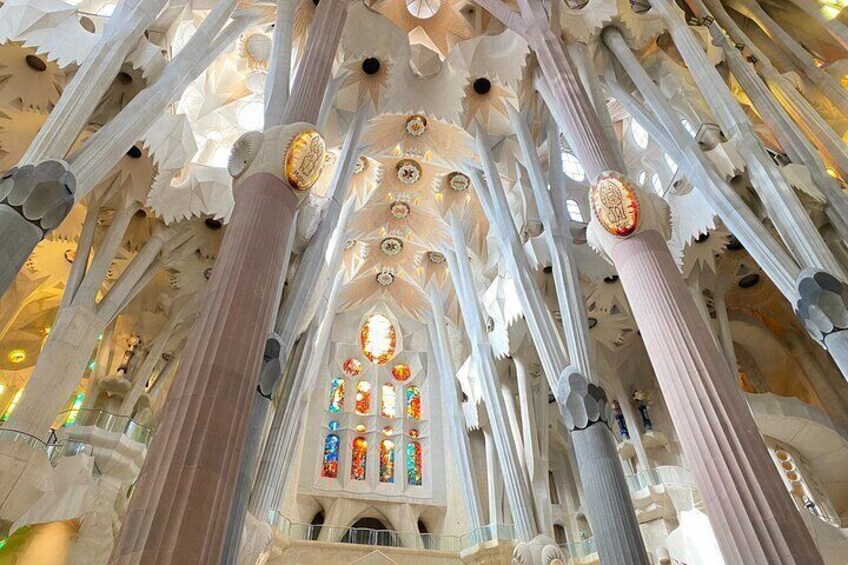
{"type": "Point", "coordinates": [305, 159]}
{"type": "Point", "coordinates": [615, 204]}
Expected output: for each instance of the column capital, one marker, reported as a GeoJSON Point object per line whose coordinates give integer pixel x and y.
{"type": "Point", "coordinates": [42, 194]}
{"type": "Point", "coordinates": [822, 304]}
{"type": "Point", "coordinates": [294, 153]}
{"type": "Point", "coordinates": [622, 209]}
{"type": "Point", "coordinates": [581, 403]}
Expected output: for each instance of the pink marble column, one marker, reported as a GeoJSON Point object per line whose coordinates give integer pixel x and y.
{"type": "Point", "coordinates": [179, 511]}
{"type": "Point", "coordinates": [754, 519]}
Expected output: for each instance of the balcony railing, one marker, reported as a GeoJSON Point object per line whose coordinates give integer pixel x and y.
{"type": "Point", "coordinates": [55, 450]}
{"type": "Point", "coordinates": [112, 423]}
{"type": "Point", "coordinates": [668, 475]}
{"type": "Point", "coordinates": [390, 538]}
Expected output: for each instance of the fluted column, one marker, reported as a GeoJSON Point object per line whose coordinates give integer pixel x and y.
{"type": "Point", "coordinates": [613, 543]}
{"type": "Point", "coordinates": [750, 510]}
{"type": "Point", "coordinates": [181, 508]}
{"type": "Point", "coordinates": [584, 409]}
{"type": "Point", "coordinates": [754, 518]}
{"type": "Point", "coordinates": [286, 426]}
{"type": "Point", "coordinates": [456, 421]}
{"type": "Point", "coordinates": [179, 511]}
{"type": "Point", "coordinates": [289, 321]}
{"type": "Point", "coordinates": [517, 489]}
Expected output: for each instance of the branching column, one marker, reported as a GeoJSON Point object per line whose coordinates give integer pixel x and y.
{"type": "Point", "coordinates": [181, 507]}
{"type": "Point", "coordinates": [753, 516]}
{"type": "Point", "coordinates": [608, 500]}
{"type": "Point", "coordinates": [517, 490]}
{"type": "Point", "coordinates": [456, 420]}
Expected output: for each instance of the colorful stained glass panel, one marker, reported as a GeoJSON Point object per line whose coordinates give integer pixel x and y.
{"type": "Point", "coordinates": [337, 393]}
{"type": "Point", "coordinates": [330, 466]}
{"type": "Point", "coordinates": [352, 367]}
{"type": "Point", "coordinates": [401, 372]}
{"type": "Point", "coordinates": [358, 459]}
{"type": "Point", "coordinates": [378, 339]}
{"type": "Point", "coordinates": [388, 402]}
{"type": "Point", "coordinates": [387, 461]}
{"type": "Point", "coordinates": [413, 463]}
{"type": "Point", "coordinates": [413, 403]}
{"type": "Point", "coordinates": [363, 397]}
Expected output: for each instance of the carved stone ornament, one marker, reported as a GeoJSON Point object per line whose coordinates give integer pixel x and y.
{"type": "Point", "coordinates": [399, 209]}
{"type": "Point", "coordinates": [416, 125]}
{"type": "Point", "coordinates": [581, 403]}
{"type": "Point", "coordinates": [360, 166]}
{"type": "Point", "coordinates": [391, 246]}
{"type": "Point", "coordinates": [385, 278]}
{"type": "Point", "coordinates": [541, 550]}
{"type": "Point", "coordinates": [822, 303]}
{"type": "Point", "coordinates": [615, 204]}
{"type": "Point", "coordinates": [42, 194]}
{"type": "Point", "coordinates": [436, 257]}
{"type": "Point", "coordinates": [459, 182]}
{"type": "Point", "coordinates": [305, 158]}
{"type": "Point", "coordinates": [408, 171]}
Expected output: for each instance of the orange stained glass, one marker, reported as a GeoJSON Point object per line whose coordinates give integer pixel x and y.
{"type": "Point", "coordinates": [387, 461]}
{"type": "Point", "coordinates": [359, 458]}
{"type": "Point", "coordinates": [363, 398]}
{"type": "Point", "coordinates": [378, 339]}
{"type": "Point", "coordinates": [352, 367]}
{"type": "Point", "coordinates": [413, 403]}
{"type": "Point", "coordinates": [401, 372]}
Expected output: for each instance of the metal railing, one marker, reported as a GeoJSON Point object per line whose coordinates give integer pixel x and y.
{"type": "Point", "coordinates": [55, 451]}
{"type": "Point", "coordinates": [391, 538]}
{"type": "Point", "coordinates": [581, 549]}
{"type": "Point", "coordinates": [112, 423]}
{"type": "Point", "coordinates": [668, 475]}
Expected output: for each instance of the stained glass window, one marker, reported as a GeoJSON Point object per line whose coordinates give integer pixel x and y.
{"type": "Point", "coordinates": [413, 433]}
{"type": "Point", "coordinates": [413, 463]}
{"type": "Point", "coordinates": [12, 405]}
{"type": "Point", "coordinates": [330, 467]}
{"type": "Point", "coordinates": [358, 460]}
{"type": "Point", "coordinates": [73, 413]}
{"type": "Point", "coordinates": [401, 372]}
{"type": "Point", "coordinates": [378, 340]}
{"type": "Point", "coordinates": [333, 425]}
{"type": "Point", "coordinates": [387, 408]}
{"type": "Point", "coordinates": [387, 430]}
{"type": "Point", "coordinates": [352, 367]}
{"type": "Point", "coordinates": [413, 403]}
{"type": "Point", "coordinates": [387, 461]}
{"type": "Point", "coordinates": [363, 397]}
{"type": "Point", "coordinates": [337, 393]}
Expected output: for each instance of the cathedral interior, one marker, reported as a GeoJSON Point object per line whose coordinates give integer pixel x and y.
{"type": "Point", "coordinates": [424, 282]}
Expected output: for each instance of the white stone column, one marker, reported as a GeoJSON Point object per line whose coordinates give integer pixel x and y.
{"type": "Point", "coordinates": [785, 209]}
{"type": "Point", "coordinates": [517, 490]}
{"type": "Point", "coordinates": [457, 435]}
{"type": "Point", "coordinates": [778, 265]}
{"type": "Point", "coordinates": [610, 507]}
{"type": "Point", "coordinates": [775, 116]}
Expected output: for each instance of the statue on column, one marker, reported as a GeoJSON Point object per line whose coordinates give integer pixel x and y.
{"type": "Point", "coordinates": [640, 400]}
{"type": "Point", "coordinates": [620, 421]}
